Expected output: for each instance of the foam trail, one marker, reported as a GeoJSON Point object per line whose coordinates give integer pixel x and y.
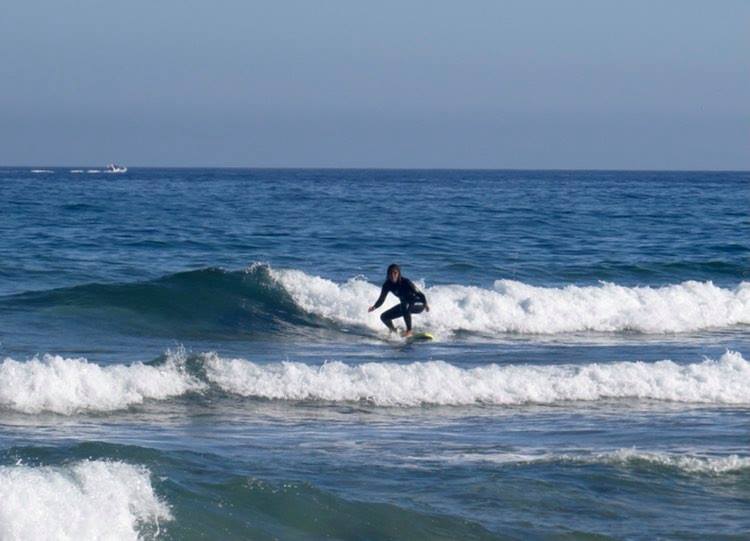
{"type": "Point", "coordinates": [685, 463]}
{"type": "Point", "coordinates": [726, 381]}
{"type": "Point", "coordinates": [87, 500]}
{"type": "Point", "coordinates": [66, 386]}
{"type": "Point", "coordinates": [515, 307]}
{"type": "Point", "coordinates": [620, 457]}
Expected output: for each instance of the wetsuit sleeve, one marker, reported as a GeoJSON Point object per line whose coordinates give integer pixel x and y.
{"type": "Point", "coordinates": [416, 294]}
{"type": "Point", "coordinates": [383, 293]}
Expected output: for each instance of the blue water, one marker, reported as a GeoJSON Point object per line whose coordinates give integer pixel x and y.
{"type": "Point", "coordinates": [193, 345]}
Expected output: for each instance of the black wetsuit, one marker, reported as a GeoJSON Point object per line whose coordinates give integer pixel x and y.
{"type": "Point", "coordinates": [412, 300]}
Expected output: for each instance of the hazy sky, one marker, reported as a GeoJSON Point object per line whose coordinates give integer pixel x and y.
{"type": "Point", "coordinates": [635, 84]}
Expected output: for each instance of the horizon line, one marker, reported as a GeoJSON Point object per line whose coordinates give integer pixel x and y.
{"type": "Point", "coordinates": [380, 168]}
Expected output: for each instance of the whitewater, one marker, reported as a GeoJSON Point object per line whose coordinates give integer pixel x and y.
{"type": "Point", "coordinates": [515, 307]}
{"type": "Point", "coordinates": [70, 386]}
{"type": "Point", "coordinates": [85, 500]}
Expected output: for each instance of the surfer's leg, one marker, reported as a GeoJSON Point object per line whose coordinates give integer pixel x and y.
{"type": "Point", "coordinates": [406, 309]}
{"type": "Point", "coordinates": [410, 309]}
{"type": "Point", "coordinates": [390, 314]}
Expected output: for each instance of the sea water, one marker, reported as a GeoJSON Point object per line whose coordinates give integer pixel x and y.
{"type": "Point", "coordinates": [187, 354]}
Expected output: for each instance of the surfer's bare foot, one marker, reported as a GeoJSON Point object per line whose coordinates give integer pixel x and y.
{"type": "Point", "coordinates": [406, 334]}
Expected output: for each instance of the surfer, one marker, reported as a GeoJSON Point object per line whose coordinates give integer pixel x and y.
{"type": "Point", "coordinates": [412, 300]}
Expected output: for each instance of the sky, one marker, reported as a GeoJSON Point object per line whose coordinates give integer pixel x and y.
{"type": "Point", "coordinates": [532, 84]}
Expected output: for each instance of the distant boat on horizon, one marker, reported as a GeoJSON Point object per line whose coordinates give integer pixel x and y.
{"type": "Point", "coordinates": [114, 168]}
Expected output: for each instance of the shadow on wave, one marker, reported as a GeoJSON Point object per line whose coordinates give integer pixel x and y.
{"type": "Point", "coordinates": [204, 303]}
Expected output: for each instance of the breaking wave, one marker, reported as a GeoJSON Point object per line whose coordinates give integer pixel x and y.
{"type": "Point", "coordinates": [726, 381]}
{"type": "Point", "coordinates": [66, 386]}
{"type": "Point", "coordinates": [86, 500]}
{"type": "Point", "coordinates": [69, 386]}
{"type": "Point", "coordinates": [264, 302]}
{"type": "Point", "coordinates": [515, 307]}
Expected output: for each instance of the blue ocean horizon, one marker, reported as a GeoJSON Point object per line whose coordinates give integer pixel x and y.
{"type": "Point", "coordinates": [190, 349]}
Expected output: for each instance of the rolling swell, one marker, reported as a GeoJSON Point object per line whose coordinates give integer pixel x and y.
{"type": "Point", "coordinates": [208, 302]}
{"type": "Point", "coordinates": [107, 490]}
{"type": "Point", "coordinates": [300, 510]}
{"type": "Point", "coordinates": [131, 492]}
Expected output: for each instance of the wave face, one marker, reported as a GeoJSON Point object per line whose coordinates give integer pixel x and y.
{"type": "Point", "coordinates": [86, 500]}
{"type": "Point", "coordinates": [726, 381]}
{"type": "Point", "coordinates": [67, 386]}
{"type": "Point", "coordinates": [206, 302]}
{"type": "Point", "coordinates": [515, 307]}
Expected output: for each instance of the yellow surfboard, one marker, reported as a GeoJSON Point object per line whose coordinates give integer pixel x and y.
{"type": "Point", "coordinates": [420, 337]}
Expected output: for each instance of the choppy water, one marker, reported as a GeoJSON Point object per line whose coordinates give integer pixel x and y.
{"type": "Point", "coordinates": [187, 354]}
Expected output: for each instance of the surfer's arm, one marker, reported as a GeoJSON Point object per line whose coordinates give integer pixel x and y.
{"type": "Point", "coordinates": [381, 299]}
{"type": "Point", "coordinates": [418, 295]}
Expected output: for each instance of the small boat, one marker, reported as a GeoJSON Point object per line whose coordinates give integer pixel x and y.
{"type": "Point", "coordinates": [114, 168]}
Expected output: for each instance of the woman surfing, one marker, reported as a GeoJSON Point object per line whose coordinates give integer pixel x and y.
{"type": "Point", "coordinates": [412, 300]}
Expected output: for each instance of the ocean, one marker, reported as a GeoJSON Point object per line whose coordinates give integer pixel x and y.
{"type": "Point", "coordinates": [187, 354]}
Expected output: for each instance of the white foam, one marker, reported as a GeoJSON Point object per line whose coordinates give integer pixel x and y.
{"type": "Point", "coordinates": [515, 307]}
{"type": "Point", "coordinates": [42, 171]}
{"type": "Point", "coordinates": [686, 463]}
{"type": "Point", "coordinates": [60, 385]}
{"type": "Point", "coordinates": [620, 457]}
{"type": "Point", "coordinates": [726, 381]}
{"type": "Point", "coordinates": [87, 500]}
